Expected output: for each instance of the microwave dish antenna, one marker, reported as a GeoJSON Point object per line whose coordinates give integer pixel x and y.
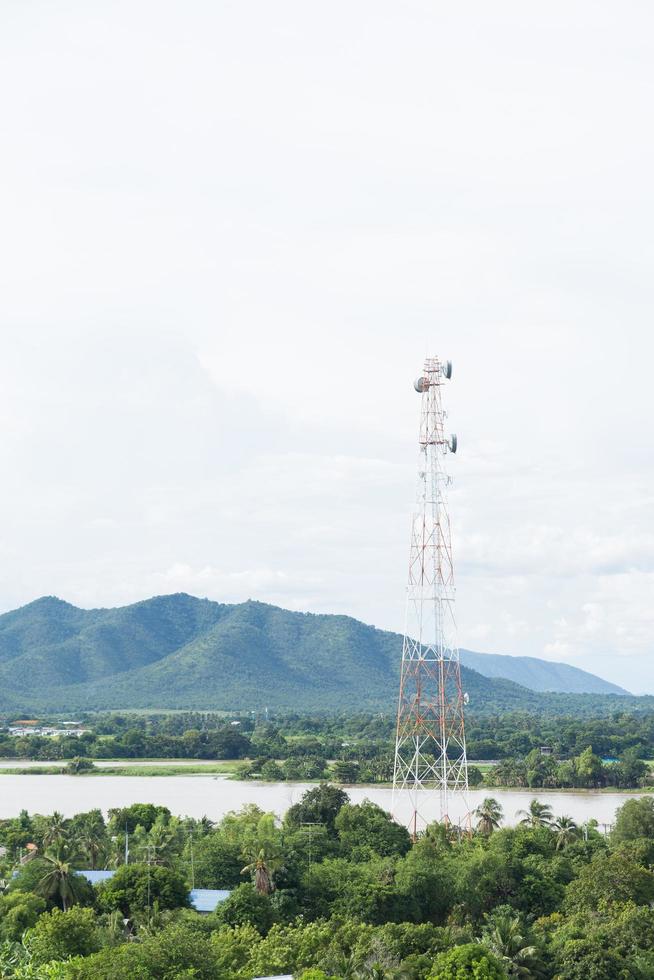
{"type": "Point", "coordinates": [430, 765]}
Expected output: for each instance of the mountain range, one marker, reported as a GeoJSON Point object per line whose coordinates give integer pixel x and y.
{"type": "Point", "coordinates": [178, 651]}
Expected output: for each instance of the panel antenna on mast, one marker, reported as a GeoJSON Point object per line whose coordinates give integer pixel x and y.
{"type": "Point", "coordinates": [430, 747]}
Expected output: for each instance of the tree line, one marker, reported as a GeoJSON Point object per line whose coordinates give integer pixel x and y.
{"type": "Point", "coordinates": [335, 890]}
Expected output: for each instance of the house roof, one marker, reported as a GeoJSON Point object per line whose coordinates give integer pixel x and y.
{"type": "Point", "coordinates": [95, 877]}
{"type": "Point", "coordinates": [202, 899]}
{"type": "Point", "coordinates": [207, 899]}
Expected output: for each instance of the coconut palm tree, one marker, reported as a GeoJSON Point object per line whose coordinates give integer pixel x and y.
{"type": "Point", "coordinates": [489, 815]}
{"type": "Point", "coordinates": [262, 873]}
{"type": "Point", "coordinates": [162, 841]}
{"type": "Point", "coordinates": [59, 880]}
{"type": "Point", "coordinates": [56, 829]}
{"type": "Point", "coordinates": [90, 835]}
{"type": "Point", "coordinates": [502, 935]}
{"type": "Point", "coordinates": [538, 815]}
{"type": "Point", "coordinates": [566, 831]}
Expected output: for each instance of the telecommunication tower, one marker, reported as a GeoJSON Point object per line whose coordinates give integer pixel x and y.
{"type": "Point", "coordinates": [430, 746]}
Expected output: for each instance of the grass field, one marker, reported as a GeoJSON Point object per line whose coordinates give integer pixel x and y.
{"type": "Point", "coordinates": [124, 768]}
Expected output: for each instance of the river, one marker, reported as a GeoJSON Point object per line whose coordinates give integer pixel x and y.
{"type": "Point", "coordinates": [195, 796]}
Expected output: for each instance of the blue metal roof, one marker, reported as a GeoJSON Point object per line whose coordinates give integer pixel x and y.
{"type": "Point", "coordinates": [207, 899]}
{"type": "Point", "coordinates": [95, 877]}
{"type": "Point", "coordinates": [202, 899]}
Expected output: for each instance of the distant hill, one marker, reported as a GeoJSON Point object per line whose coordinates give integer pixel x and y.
{"type": "Point", "coordinates": [181, 652]}
{"type": "Point", "coordinates": [539, 675]}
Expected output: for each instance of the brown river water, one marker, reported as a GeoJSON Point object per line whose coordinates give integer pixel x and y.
{"type": "Point", "coordinates": [199, 795]}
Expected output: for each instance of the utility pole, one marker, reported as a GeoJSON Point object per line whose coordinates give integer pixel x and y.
{"type": "Point", "coordinates": [430, 748]}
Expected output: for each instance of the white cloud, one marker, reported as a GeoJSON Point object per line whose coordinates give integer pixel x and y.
{"type": "Point", "coordinates": [234, 233]}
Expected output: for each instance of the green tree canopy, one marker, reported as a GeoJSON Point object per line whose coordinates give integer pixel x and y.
{"type": "Point", "coordinates": [468, 962]}
{"type": "Point", "coordinates": [366, 828]}
{"type": "Point", "coordinates": [135, 887]}
{"type": "Point", "coordinates": [319, 805]}
{"type": "Point", "coordinates": [58, 935]}
{"type": "Point", "coordinates": [634, 819]}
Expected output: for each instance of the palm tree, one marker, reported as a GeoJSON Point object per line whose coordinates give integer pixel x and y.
{"type": "Point", "coordinates": [538, 815]}
{"type": "Point", "coordinates": [59, 880]}
{"type": "Point", "coordinates": [502, 935]}
{"type": "Point", "coordinates": [263, 873]}
{"type": "Point", "coordinates": [489, 815]}
{"type": "Point", "coordinates": [56, 829]}
{"type": "Point", "coordinates": [566, 831]}
{"type": "Point", "coordinates": [161, 843]}
{"type": "Point", "coordinates": [91, 836]}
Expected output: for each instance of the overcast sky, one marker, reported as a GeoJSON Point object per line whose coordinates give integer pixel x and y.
{"type": "Point", "coordinates": [231, 231]}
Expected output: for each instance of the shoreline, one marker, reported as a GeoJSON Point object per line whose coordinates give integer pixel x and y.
{"type": "Point", "coordinates": [225, 771]}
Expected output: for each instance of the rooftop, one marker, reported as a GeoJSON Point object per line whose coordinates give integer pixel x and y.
{"type": "Point", "coordinates": [202, 899]}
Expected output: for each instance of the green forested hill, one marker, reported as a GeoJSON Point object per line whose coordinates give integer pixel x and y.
{"type": "Point", "coordinates": [181, 652]}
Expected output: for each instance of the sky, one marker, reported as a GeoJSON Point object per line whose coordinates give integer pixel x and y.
{"type": "Point", "coordinates": [230, 234]}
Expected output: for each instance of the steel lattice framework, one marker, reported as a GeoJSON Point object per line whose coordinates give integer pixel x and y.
{"type": "Point", "coordinates": [430, 748]}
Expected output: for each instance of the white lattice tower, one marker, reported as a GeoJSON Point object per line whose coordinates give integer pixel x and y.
{"type": "Point", "coordinates": [430, 748]}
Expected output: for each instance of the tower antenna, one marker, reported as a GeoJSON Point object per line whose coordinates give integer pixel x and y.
{"type": "Point", "coordinates": [430, 746]}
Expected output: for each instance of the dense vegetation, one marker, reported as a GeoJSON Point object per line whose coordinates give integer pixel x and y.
{"type": "Point", "coordinates": [528, 750]}
{"type": "Point", "coordinates": [336, 890]}
{"type": "Point", "coordinates": [181, 652]}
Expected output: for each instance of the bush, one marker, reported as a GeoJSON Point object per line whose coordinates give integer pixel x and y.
{"type": "Point", "coordinates": [175, 953]}
{"type": "Point", "coordinates": [469, 961]}
{"type": "Point", "coordinates": [18, 912]}
{"type": "Point", "coordinates": [245, 906]}
{"type": "Point", "coordinates": [271, 771]}
{"type": "Point", "coordinates": [58, 935]}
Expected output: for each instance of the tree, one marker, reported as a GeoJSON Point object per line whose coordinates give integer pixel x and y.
{"type": "Point", "coordinates": [566, 831]}
{"type": "Point", "coordinates": [55, 830]}
{"type": "Point", "coordinates": [634, 819]}
{"type": "Point", "coordinates": [127, 819]}
{"type": "Point", "coordinates": [346, 771]}
{"type": "Point", "coordinates": [318, 805]}
{"type": "Point", "coordinates": [176, 952]}
{"type": "Point", "coordinates": [489, 815]}
{"type": "Point", "coordinates": [366, 828]}
{"type": "Point", "coordinates": [58, 881]}
{"type": "Point", "coordinates": [262, 873]}
{"type": "Point", "coordinates": [160, 844]}
{"type": "Point", "coordinates": [18, 912]}
{"type": "Point", "coordinates": [90, 833]}
{"type": "Point", "coordinates": [470, 960]}
{"type": "Point", "coordinates": [136, 887]}
{"type": "Point", "coordinates": [629, 771]}
{"type": "Point", "coordinates": [503, 935]}
{"type": "Point", "coordinates": [583, 959]}
{"type": "Point", "coordinates": [610, 878]}
{"type": "Point", "coordinates": [58, 935]}
{"type": "Point", "coordinates": [475, 776]}
{"type": "Point", "coordinates": [538, 815]}
{"type": "Point", "coordinates": [271, 771]}
{"type": "Point", "coordinates": [247, 906]}
{"type": "Point", "coordinates": [590, 772]}
{"type": "Point", "coordinates": [217, 862]}
{"type": "Point", "coordinates": [79, 765]}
